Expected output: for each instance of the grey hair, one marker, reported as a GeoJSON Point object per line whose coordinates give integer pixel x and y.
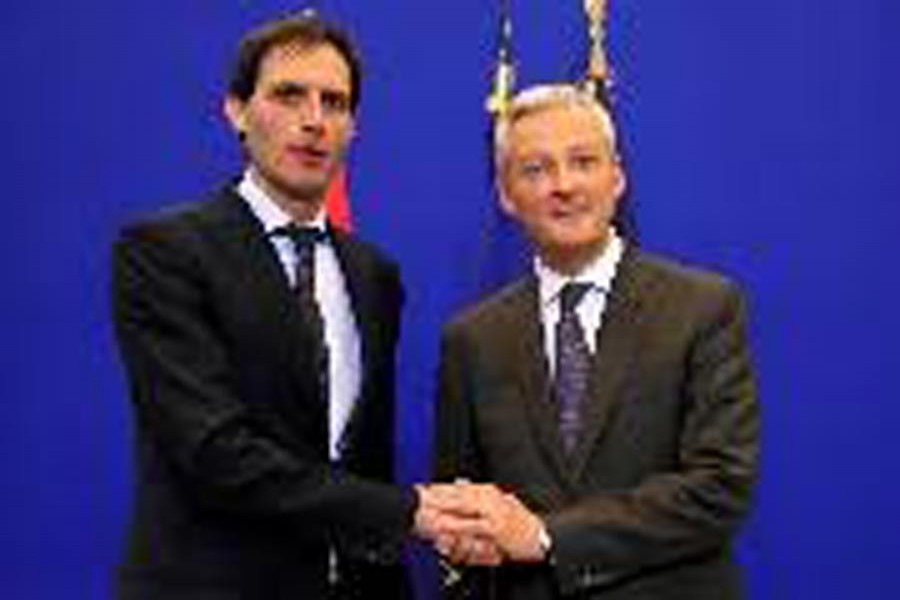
{"type": "Point", "coordinates": [543, 97]}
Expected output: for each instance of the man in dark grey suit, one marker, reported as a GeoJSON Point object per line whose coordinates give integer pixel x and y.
{"type": "Point", "coordinates": [259, 343]}
{"type": "Point", "coordinates": [603, 408]}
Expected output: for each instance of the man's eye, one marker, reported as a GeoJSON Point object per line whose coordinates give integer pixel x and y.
{"type": "Point", "coordinates": [585, 161]}
{"type": "Point", "coordinates": [335, 102]}
{"type": "Point", "coordinates": [532, 169]}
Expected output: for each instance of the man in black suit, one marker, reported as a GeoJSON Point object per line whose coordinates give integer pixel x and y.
{"type": "Point", "coordinates": [259, 344]}
{"type": "Point", "coordinates": [608, 395]}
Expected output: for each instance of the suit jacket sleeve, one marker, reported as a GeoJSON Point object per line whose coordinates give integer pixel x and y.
{"type": "Point", "coordinates": [697, 506]}
{"type": "Point", "coordinates": [230, 456]}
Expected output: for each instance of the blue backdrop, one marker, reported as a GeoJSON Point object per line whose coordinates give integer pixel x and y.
{"type": "Point", "coordinates": [764, 143]}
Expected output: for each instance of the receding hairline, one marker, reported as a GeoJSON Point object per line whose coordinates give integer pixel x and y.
{"type": "Point", "coordinates": [544, 98]}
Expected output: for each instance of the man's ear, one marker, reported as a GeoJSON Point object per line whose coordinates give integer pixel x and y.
{"type": "Point", "coordinates": [507, 205]}
{"type": "Point", "coordinates": [621, 182]}
{"type": "Point", "coordinates": [235, 111]}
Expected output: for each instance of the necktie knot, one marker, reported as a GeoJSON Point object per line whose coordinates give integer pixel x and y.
{"type": "Point", "coordinates": [304, 239]}
{"type": "Point", "coordinates": [571, 295]}
{"type": "Point", "coordinates": [301, 235]}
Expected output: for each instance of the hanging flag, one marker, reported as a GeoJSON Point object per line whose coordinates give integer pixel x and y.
{"type": "Point", "coordinates": [337, 202]}
{"type": "Point", "coordinates": [503, 251]}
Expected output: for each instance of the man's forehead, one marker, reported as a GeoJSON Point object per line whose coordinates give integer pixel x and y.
{"type": "Point", "coordinates": [554, 115]}
{"type": "Point", "coordinates": [556, 126]}
{"type": "Point", "coordinates": [306, 63]}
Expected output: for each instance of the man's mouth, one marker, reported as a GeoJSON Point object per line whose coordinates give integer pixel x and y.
{"type": "Point", "coordinates": [309, 155]}
{"type": "Point", "coordinates": [566, 214]}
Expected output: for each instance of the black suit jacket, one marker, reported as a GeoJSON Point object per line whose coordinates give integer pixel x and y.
{"type": "Point", "coordinates": [647, 504]}
{"type": "Point", "coordinates": [235, 494]}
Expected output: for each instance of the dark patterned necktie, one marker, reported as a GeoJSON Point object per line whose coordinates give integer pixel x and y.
{"type": "Point", "coordinates": [305, 240]}
{"type": "Point", "coordinates": [573, 361]}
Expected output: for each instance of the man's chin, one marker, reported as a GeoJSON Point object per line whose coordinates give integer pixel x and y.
{"type": "Point", "coordinates": [307, 190]}
{"type": "Point", "coordinates": [573, 238]}
{"type": "Point", "coordinates": [574, 246]}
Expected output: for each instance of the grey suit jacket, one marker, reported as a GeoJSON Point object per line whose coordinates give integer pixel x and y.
{"type": "Point", "coordinates": [648, 502]}
{"type": "Point", "coordinates": [235, 494]}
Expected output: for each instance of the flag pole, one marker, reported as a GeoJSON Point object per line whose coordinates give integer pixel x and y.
{"type": "Point", "coordinates": [598, 82]}
{"type": "Point", "coordinates": [504, 71]}
{"type": "Point", "coordinates": [598, 78]}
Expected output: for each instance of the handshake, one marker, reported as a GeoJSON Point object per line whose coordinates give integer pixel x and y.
{"type": "Point", "coordinates": [479, 524]}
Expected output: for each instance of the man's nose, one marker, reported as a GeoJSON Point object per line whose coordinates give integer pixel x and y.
{"type": "Point", "coordinates": [312, 116]}
{"type": "Point", "coordinates": [563, 179]}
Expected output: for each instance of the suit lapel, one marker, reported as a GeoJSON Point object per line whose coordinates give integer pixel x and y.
{"type": "Point", "coordinates": [618, 341]}
{"type": "Point", "coordinates": [364, 294]}
{"type": "Point", "coordinates": [524, 337]}
{"type": "Point", "coordinates": [244, 234]}
{"type": "Point", "coordinates": [258, 268]}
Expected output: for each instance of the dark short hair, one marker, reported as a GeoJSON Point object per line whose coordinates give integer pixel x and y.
{"type": "Point", "coordinates": [306, 29]}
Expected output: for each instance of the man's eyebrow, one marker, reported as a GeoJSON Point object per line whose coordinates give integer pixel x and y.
{"type": "Point", "coordinates": [335, 93]}
{"type": "Point", "coordinates": [296, 86]}
{"type": "Point", "coordinates": [288, 86]}
{"type": "Point", "coordinates": [584, 147]}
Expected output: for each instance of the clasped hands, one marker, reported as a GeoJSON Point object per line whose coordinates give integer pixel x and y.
{"type": "Point", "coordinates": [478, 524]}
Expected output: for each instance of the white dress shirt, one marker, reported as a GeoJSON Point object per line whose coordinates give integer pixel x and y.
{"type": "Point", "coordinates": [341, 333]}
{"type": "Point", "coordinates": [599, 274]}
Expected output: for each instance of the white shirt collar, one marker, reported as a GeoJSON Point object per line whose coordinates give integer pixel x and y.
{"type": "Point", "coordinates": [264, 208]}
{"type": "Point", "coordinates": [599, 273]}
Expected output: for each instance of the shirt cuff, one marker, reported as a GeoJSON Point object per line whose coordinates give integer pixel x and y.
{"type": "Point", "coordinates": [545, 542]}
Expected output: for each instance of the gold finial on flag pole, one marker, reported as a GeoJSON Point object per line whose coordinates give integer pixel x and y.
{"type": "Point", "coordinates": [505, 71]}
{"type": "Point", "coordinates": [598, 78]}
